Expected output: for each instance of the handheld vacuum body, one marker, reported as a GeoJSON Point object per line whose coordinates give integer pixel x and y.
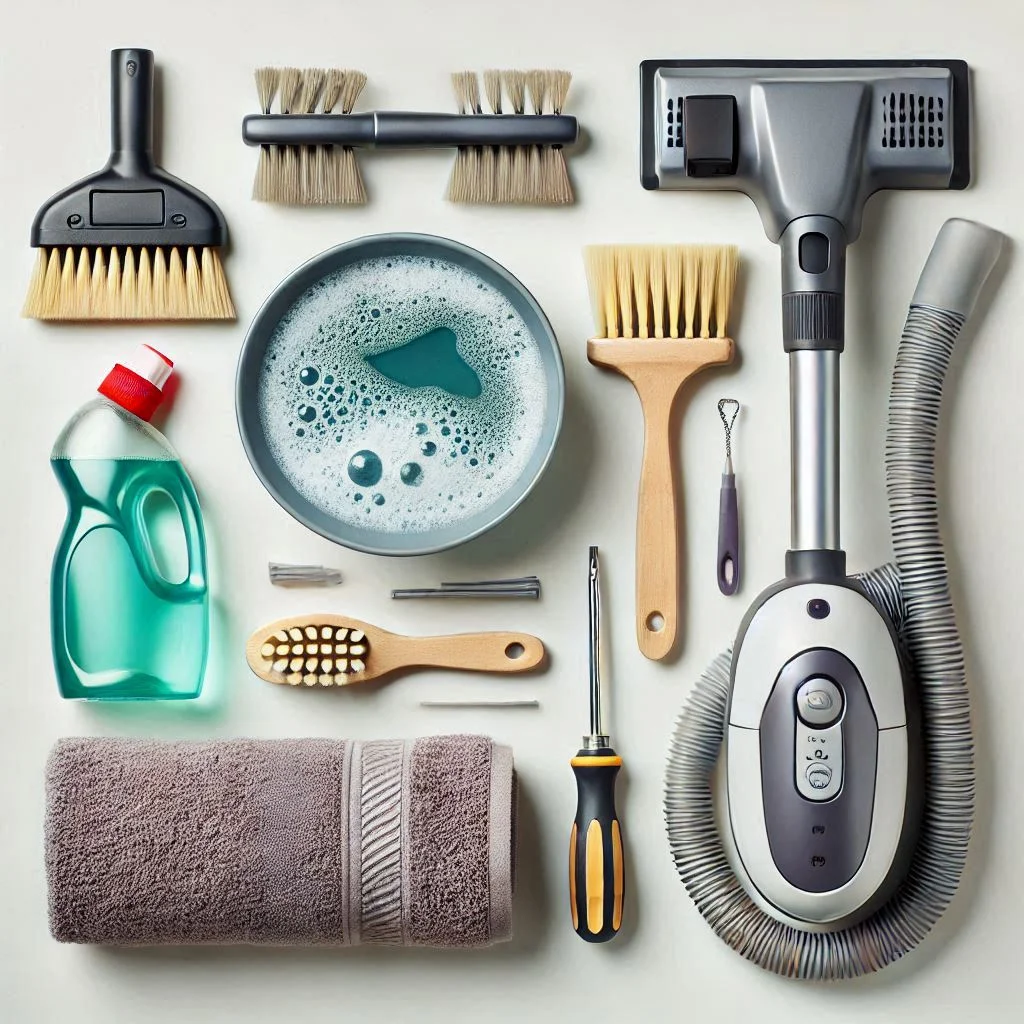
{"type": "Point", "coordinates": [823, 759]}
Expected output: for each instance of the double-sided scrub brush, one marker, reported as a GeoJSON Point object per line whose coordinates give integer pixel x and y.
{"type": "Point", "coordinates": [307, 151]}
{"type": "Point", "coordinates": [130, 242]}
{"type": "Point", "coordinates": [661, 314]}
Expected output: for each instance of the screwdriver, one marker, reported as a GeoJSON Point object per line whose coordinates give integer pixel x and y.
{"type": "Point", "coordinates": [596, 874]}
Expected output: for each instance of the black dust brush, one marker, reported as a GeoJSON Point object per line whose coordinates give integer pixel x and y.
{"type": "Point", "coordinates": [130, 242]}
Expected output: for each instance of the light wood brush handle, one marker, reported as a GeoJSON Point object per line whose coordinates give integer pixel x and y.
{"type": "Point", "coordinates": [657, 527]}
{"type": "Point", "coordinates": [658, 368]}
{"type": "Point", "coordinates": [473, 652]}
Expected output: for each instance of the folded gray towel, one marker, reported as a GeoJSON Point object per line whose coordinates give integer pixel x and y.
{"type": "Point", "coordinates": [281, 841]}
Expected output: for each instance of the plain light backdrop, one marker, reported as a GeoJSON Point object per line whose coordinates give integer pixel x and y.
{"type": "Point", "coordinates": [667, 963]}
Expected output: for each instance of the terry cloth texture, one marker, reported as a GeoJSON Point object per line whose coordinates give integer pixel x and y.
{"type": "Point", "coordinates": [283, 842]}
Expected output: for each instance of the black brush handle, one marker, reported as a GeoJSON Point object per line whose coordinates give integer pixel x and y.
{"type": "Point", "coordinates": [410, 130]}
{"type": "Point", "coordinates": [131, 110]}
{"type": "Point", "coordinates": [596, 864]}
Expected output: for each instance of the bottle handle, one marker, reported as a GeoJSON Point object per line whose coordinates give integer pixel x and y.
{"type": "Point", "coordinates": [141, 544]}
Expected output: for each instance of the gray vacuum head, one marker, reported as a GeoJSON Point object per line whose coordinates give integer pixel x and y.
{"type": "Point", "coordinates": [805, 138]}
{"type": "Point", "coordinates": [808, 141]}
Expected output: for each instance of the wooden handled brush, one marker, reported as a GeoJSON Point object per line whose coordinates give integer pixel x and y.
{"type": "Point", "coordinates": [661, 314]}
{"type": "Point", "coordinates": [335, 650]}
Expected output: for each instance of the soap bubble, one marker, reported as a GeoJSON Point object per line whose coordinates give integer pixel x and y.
{"type": "Point", "coordinates": [306, 413]}
{"type": "Point", "coordinates": [309, 376]}
{"type": "Point", "coordinates": [412, 474]}
{"type": "Point", "coordinates": [428, 448]}
{"type": "Point", "coordinates": [365, 468]}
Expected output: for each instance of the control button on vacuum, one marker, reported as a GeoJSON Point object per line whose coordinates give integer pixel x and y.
{"type": "Point", "coordinates": [819, 761]}
{"type": "Point", "coordinates": [819, 701]}
{"type": "Point", "coordinates": [710, 142]}
{"type": "Point", "coordinates": [813, 253]}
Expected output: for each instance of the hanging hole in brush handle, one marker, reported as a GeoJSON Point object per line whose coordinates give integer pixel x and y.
{"type": "Point", "coordinates": [131, 110]}
{"type": "Point", "coordinates": [728, 537]}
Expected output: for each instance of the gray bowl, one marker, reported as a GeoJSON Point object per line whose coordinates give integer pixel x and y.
{"type": "Point", "coordinates": [277, 305]}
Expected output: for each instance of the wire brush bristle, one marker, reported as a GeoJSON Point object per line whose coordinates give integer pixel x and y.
{"type": "Point", "coordinates": [661, 291]}
{"type": "Point", "coordinates": [128, 283]}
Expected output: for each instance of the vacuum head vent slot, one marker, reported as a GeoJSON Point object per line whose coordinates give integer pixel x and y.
{"type": "Point", "coordinates": [674, 123]}
{"type": "Point", "coordinates": [913, 121]}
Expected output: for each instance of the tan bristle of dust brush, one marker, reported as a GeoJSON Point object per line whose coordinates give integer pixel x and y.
{"type": "Point", "coordinates": [129, 242]}
{"type": "Point", "coordinates": [314, 172]}
{"type": "Point", "coordinates": [661, 314]}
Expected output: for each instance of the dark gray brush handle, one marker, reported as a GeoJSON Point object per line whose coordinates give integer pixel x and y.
{"type": "Point", "coordinates": [728, 537]}
{"type": "Point", "coordinates": [131, 110]}
{"type": "Point", "coordinates": [411, 130]}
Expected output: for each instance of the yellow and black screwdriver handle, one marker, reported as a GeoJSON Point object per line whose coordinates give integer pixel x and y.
{"type": "Point", "coordinates": [596, 869]}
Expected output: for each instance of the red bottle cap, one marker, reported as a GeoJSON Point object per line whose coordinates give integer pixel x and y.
{"type": "Point", "coordinates": [137, 384]}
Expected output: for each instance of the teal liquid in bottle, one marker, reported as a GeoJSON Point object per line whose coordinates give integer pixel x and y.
{"type": "Point", "coordinates": [129, 596]}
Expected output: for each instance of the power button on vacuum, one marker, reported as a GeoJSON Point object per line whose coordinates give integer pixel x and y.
{"type": "Point", "coordinates": [819, 702]}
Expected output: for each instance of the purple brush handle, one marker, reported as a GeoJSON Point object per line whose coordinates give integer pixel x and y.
{"type": "Point", "coordinates": [728, 536]}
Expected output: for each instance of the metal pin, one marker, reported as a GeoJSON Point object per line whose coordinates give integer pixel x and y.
{"type": "Point", "coordinates": [479, 703]}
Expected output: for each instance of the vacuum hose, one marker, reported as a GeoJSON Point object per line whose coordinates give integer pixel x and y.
{"type": "Point", "coordinates": [915, 595]}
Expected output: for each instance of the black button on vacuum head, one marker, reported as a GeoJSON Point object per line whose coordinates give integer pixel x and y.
{"type": "Point", "coordinates": [709, 126]}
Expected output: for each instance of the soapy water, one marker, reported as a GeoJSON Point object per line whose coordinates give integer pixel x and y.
{"type": "Point", "coordinates": [402, 394]}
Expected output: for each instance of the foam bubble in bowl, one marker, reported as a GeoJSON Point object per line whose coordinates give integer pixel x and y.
{"type": "Point", "coordinates": [385, 456]}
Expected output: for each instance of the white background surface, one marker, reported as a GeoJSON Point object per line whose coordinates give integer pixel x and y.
{"type": "Point", "coordinates": [54, 128]}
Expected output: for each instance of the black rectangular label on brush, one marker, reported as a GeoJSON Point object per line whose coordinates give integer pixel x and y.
{"type": "Point", "coordinates": [126, 209]}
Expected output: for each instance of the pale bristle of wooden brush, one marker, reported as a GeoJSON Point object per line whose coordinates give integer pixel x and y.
{"type": "Point", "coordinates": [308, 175]}
{"type": "Point", "coordinates": [659, 310]}
{"type": "Point", "coordinates": [316, 655]}
{"type": "Point", "coordinates": [128, 283]}
{"type": "Point", "coordinates": [624, 289]}
{"type": "Point", "coordinates": [725, 288]}
{"type": "Point", "coordinates": [661, 291]}
{"type": "Point", "coordinates": [599, 261]}
{"type": "Point", "coordinates": [640, 258]}
{"type": "Point", "coordinates": [689, 259]}
{"type": "Point", "coordinates": [706, 288]}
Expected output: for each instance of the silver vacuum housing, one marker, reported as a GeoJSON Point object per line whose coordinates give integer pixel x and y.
{"type": "Point", "coordinates": [823, 762]}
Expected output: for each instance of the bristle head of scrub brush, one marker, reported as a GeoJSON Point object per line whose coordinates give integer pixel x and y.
{"type": "Point", "coordinates": [308, 175]}
{"type": "Point", "coordinates": [661, 291]}
{"type": "Point", "coordinates": [511, 174]}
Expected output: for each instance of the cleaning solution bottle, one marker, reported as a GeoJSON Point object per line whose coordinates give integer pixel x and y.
{"type": "Point", "coordinates": [129, 599]}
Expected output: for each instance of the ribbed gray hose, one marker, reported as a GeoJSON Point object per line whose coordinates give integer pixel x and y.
{"type": "Point", "coordinates": [916, 597]}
